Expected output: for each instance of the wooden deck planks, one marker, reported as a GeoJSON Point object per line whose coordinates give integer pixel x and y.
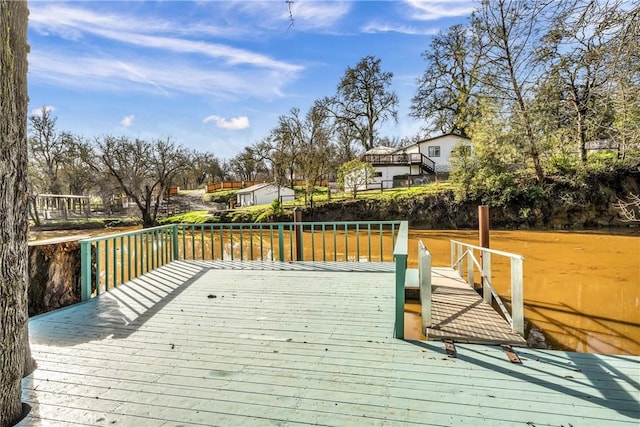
{"type": "Point", "coordinates": [283, 347]}
{"type": "Point", "coordinates": [459, 313]}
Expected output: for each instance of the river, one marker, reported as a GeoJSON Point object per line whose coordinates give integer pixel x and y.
{"type": "Point", "coordinates": [581, 288]}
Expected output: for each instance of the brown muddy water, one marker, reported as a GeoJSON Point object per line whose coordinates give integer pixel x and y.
{"type": "Point", "coordinates": [582, 289]}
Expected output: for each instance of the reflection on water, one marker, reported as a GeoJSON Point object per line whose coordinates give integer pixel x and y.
{"type": "Point", "coordinates": [413, 321]}
{"type": "Point", "coordinates": [52, 234]}
{"type": "Point", "coordinates": [581, 288]}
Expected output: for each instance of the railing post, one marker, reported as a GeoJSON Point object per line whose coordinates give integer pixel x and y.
{"type": "Point", "coordinates": [453, 253]}
{"type": "Point", "coordinates": [401, 271]}
{"type": "Point", "coordinates": [85, 271]}
{"type": "Point", "coordinates": [297, 218]}
{"type": "Point", "coordinates": [483, 230]}
{"type": "Point", "coordinates": [486, 279]}
{"type": "Point", "coordinates": [517, 297]}
{"type": "Point", "coordinates": [470, 266]}
{"type": "Point", "coordinates": [424, 274]}
{"type": "Point", "coordinates": [459, 257]}
{"type": "Point", "coordinates": [281, 242]}
{"type": "Point", "coordinates": [176, 246]}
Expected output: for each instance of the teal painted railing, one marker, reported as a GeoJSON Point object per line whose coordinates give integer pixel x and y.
{"type": "Point", "coordinates": [400, 255]}
{"type": "Point", "coordinates": [109, 261]}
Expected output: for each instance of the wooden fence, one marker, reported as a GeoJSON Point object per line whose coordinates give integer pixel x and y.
{"type": "Point", "coordinates": [237, 185]}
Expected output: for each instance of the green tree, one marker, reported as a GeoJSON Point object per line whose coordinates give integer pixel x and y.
{"type": "Point", "coordinates": [15, 353]}
{"type": "Point", "coordinates": [363, 100]}
{"type": "Point", "coordinates": [354, 175]}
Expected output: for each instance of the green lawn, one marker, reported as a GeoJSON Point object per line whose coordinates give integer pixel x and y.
{"type": "Point", "coordinates": [264, 212]}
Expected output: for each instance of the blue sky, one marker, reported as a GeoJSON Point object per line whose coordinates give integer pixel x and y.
{"type": "Point", "coordinates": [215, 75]}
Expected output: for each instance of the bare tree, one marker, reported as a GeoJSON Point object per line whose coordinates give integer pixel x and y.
{"type": "Point", "coordinates": [49, 149]}
{"type": "Point", "coordinates": [446, 90]}
{"type": "Point", "coordinates": [511, 31]}
{"type": "Point", "coordinates": [202, 168]}
{"type": "Point", "coordinates": [283, 147]}
{"type": "Point", "coordinates": [310, 140]}
{"type": "Point", "coordinates": [583, 40]}
{"type": "Point", "coordinates": [75, 172]}
{"type": "Point", "coordinates": [247, 165]}
{"type": "Point", "coordinates": [143, 170]}
{"type": "Point", "coordinates": [629, 208]}
{"type": "Point", "coordinates": [317, 149]}
{"type": "Point", "coordinates": [15, 354]}
{"type": "Point", "coordinates": [354, 175]}
{"type": "Point", "coordinates": [364, 100]}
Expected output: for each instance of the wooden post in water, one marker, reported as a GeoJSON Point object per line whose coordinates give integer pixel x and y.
{"type": "Point", "coordinates": [297, 218]}
{"type": "Point", "coordinates": [485, 257]}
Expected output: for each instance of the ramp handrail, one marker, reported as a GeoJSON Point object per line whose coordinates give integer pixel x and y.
{"type": "Point", "coordinates": [461, 251]}
{"type": "Point", "coordinates": [424, 279]}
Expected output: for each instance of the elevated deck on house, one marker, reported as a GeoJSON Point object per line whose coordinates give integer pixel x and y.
{"type": "Point", "coordinates": [262, 343]}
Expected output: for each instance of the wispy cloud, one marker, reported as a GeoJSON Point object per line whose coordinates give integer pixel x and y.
{"type": "Point", "coordinates": [319, 15]}
{"type": "Point", "coordinates": [234, 123]}
{"type": "Point", "coordinates": [157, 76]}
{"type": "Point", "coordinates": [127, 120]}
{"type": "Point", "coordinates": [67, 21]}
{"type": "Point", "coordinates": [141, 53]}
{"type": "Point", "coordinates": [70, 22]}
{"type": "Point", "coordinates": [431, 10]}
{"type": "Point", "coordinates": [376, 27]}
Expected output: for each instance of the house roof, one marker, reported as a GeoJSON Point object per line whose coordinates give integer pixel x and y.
{"type": "Point", "coordinates": [257, 187]}
{"type": "Point", "coordinates": [434, 139]}
{"type": "Point", "coordinates": [381, 150]}
{"type": "Point", "coordinates": [602, 144]}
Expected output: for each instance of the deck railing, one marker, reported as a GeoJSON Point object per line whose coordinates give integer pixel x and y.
{"type": "Point", "coordinates": [109, 261]}
{"type": "Point", "coordinates": [462, 253]}
{"type": "Point", "coordinates": [400, 255]}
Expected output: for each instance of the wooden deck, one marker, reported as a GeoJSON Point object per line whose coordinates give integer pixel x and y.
{"type": "Point", "coordinates": [198, 343]}
{"type": "Point", "coordinates": [459, 313]}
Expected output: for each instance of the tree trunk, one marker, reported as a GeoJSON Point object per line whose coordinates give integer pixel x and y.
{"type": "Point", "coordinates": [15, 355]}
{"type": "Point", "coordinates": [54, 274]}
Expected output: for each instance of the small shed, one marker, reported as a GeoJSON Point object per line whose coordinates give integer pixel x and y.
{"type": "Point", "coordinates": [264, 194]}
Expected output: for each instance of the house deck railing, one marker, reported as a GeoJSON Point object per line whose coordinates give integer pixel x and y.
{"type": "Point", "coordinates": [401, 159]}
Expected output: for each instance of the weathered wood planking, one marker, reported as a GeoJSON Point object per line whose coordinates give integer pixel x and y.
{"type": "Point", "coordinates": [295, 348]}
{"type": "Point", "coordinates": [459, 313]}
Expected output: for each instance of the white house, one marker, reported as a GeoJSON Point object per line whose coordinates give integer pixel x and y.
{"type": "Point", "coordinates": [415, 161]}
{"type": "Point", "coordinates": [263, 194]}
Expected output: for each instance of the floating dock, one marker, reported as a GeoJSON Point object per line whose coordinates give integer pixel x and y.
{"type": "Point", "coordinates": [273, 343]}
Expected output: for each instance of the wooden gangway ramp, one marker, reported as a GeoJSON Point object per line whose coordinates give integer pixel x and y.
{"type": "Point", "coordinates": [460, 314]}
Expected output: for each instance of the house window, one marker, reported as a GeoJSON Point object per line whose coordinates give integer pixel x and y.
{"type": "Point", "coordinates": [378, 175]}
{"type": "Point", "coordinates": [433, 151]}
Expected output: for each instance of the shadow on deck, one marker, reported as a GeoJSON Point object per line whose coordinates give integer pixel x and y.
{"type": "Point", "coordinates": [204, 343]}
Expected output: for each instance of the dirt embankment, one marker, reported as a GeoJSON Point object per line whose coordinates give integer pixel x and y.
{"type": "Point", "coordinates": [561, 204]}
